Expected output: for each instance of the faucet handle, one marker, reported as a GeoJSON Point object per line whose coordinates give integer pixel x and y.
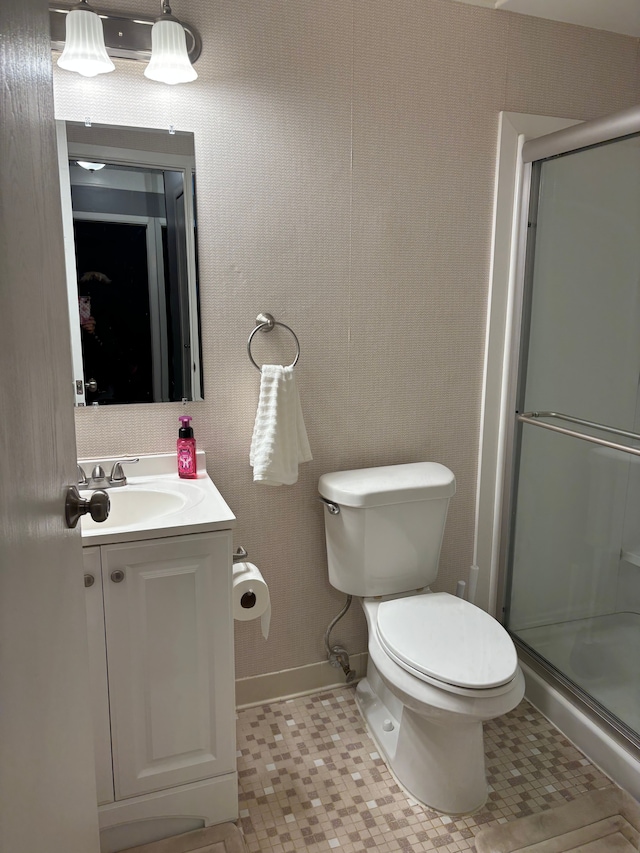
{"type": "Point", "coordinates": [117, 477]}
{"type": "Point", "coordinates": [82, 477]}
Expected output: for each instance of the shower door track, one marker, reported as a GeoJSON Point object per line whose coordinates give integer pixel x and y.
{"type": "Point", "coordinates": [614, 724]}
{"type": "Point", "coordinates": [532, 418]}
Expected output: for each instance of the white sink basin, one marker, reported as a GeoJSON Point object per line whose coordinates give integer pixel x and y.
{"type": "Point", "coordinates": [135, 505]}
{"type": "Point", "coordinates": [156, 503]}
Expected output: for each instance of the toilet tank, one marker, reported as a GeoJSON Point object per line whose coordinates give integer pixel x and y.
{"type": "Point", "coordinates": [387, 536]}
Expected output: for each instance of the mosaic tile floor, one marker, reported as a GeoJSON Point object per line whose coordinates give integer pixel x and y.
{"type": "Point", "coordinates": [311, 779]}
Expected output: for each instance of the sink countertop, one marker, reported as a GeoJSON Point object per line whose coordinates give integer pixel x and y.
{"type": "Point", "coordinates": [188, 506]}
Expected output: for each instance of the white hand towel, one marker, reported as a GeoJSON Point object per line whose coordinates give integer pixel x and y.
{"type": "Point", "coordinates": [279, 441]}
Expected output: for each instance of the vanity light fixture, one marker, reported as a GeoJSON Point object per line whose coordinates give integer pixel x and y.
{"type": "Point", "coordinates": [165, 43]}
{"type": "Point", "coordinates": [169, 60]}
{"type": "Point", "coordinates": [84, 51]}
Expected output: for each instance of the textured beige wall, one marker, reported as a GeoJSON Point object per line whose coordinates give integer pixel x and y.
{"type": "Point", "coordinates": [346, 154]}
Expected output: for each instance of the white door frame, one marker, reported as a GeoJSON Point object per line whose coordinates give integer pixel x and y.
{"type": "Point", "coordinates": [156, 289]}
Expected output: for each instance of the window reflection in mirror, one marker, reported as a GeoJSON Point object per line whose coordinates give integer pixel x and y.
{"type": "Point", "coordinates": [128, 197]}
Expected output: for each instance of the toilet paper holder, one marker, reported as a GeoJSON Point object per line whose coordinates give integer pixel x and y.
{"type": "Point", "coordinates": [240, 554]}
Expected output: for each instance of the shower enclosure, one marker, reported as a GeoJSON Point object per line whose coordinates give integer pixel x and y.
{"type": "Point", "coordinates": [573, 565]}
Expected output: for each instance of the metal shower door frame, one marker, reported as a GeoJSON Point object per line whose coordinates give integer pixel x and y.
{"type": "Point", "coordinates": [533, 153]}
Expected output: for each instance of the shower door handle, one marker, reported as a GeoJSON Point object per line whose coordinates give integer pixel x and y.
{"type": "Point", "coordinates": [532, 418]}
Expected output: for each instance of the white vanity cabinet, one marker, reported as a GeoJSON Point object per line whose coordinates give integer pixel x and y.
{"type": "Point", "coordinates": [160, 627]}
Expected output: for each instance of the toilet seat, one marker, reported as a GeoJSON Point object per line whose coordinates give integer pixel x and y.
{"type": "Point", "coordinates": [443, 639]}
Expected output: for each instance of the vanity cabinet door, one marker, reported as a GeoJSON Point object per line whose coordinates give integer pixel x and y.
{"type": "Point", "coordinates": [170, 653]}
{"type": "Point", "coordinates": [98, 674]}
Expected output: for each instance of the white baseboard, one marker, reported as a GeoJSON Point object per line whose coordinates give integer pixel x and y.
{"type": "Point", "coordinates": [288, 683]}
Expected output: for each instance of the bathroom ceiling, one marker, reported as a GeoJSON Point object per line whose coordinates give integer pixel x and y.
{"type": "Point", "coordinates": [617, 16]}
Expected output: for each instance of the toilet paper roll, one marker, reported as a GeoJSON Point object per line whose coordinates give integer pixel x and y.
{"type": "Point", "coordinates": [251, 596]}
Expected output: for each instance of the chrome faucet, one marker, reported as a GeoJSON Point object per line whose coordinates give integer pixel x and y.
{"type": "Point", "coordinates": [99, 479]}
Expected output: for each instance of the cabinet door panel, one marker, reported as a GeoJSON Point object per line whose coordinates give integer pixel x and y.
{"type": "Point", "coordinates": [98, 676]}
{"type": "Point", "coordinates": [170, 653]}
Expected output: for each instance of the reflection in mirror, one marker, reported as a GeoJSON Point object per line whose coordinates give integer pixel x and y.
{"type": "Point", "coordinates": [128, 200]}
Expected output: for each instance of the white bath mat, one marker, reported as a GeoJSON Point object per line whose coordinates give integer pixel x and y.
{"type": "Point", "coordinates": [606, 821]}
{"type": "Point", "coordinates": [224, 838]}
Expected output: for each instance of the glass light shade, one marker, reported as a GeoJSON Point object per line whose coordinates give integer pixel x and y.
{"type": "Point", "coordinates": [90, 167]}
{"type": "Point", "coordinates": [84, 51]}
{"type": "Point", "coordinates": [169, 61]}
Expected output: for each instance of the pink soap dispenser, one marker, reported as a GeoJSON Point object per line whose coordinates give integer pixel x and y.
{"type": "Point", "coordinates": [187, 467]}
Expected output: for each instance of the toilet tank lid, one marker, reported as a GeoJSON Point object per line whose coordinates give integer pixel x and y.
{"type": "Point", "coordinates": [389, 484]}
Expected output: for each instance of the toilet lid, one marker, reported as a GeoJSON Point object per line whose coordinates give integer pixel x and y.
{"type": "Point", "coordinates": [447, 639]}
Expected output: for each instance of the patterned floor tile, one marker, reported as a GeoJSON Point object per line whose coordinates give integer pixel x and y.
{"type": "Point", "coordinates": [311, 780]}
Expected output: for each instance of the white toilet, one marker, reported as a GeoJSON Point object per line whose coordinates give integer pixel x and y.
{"type": "Point", "coordinates": [438, 665]}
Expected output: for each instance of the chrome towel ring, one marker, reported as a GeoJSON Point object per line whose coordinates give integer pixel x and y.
{"type": "Point", "coordinates": [265, 324]}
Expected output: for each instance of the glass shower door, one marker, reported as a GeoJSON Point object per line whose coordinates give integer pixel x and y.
{"type": "Point", "coordinates": [573, 596]}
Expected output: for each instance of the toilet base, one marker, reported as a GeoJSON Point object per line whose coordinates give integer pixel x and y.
{"type": "Point", "coordinates": [442, 766]}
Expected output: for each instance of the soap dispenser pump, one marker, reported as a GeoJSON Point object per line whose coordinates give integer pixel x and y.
{"type": "Point", "coordinates": [186, 447]}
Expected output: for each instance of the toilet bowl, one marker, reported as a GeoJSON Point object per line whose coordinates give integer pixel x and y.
{"type": "Point", "coordinates": [429, 731]}
{"type": "Point", "coordinates": [438, 666]}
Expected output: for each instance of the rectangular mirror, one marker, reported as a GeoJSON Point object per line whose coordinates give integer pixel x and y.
{"type": "Point", "coordinates": [128, 203]}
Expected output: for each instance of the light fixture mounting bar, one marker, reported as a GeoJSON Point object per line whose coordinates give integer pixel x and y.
{"type": "Point", "coordinates": [124, 37]}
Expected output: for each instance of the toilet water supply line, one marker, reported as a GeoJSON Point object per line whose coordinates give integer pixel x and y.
{"type": "Point", "coordinates": [337, 655]}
